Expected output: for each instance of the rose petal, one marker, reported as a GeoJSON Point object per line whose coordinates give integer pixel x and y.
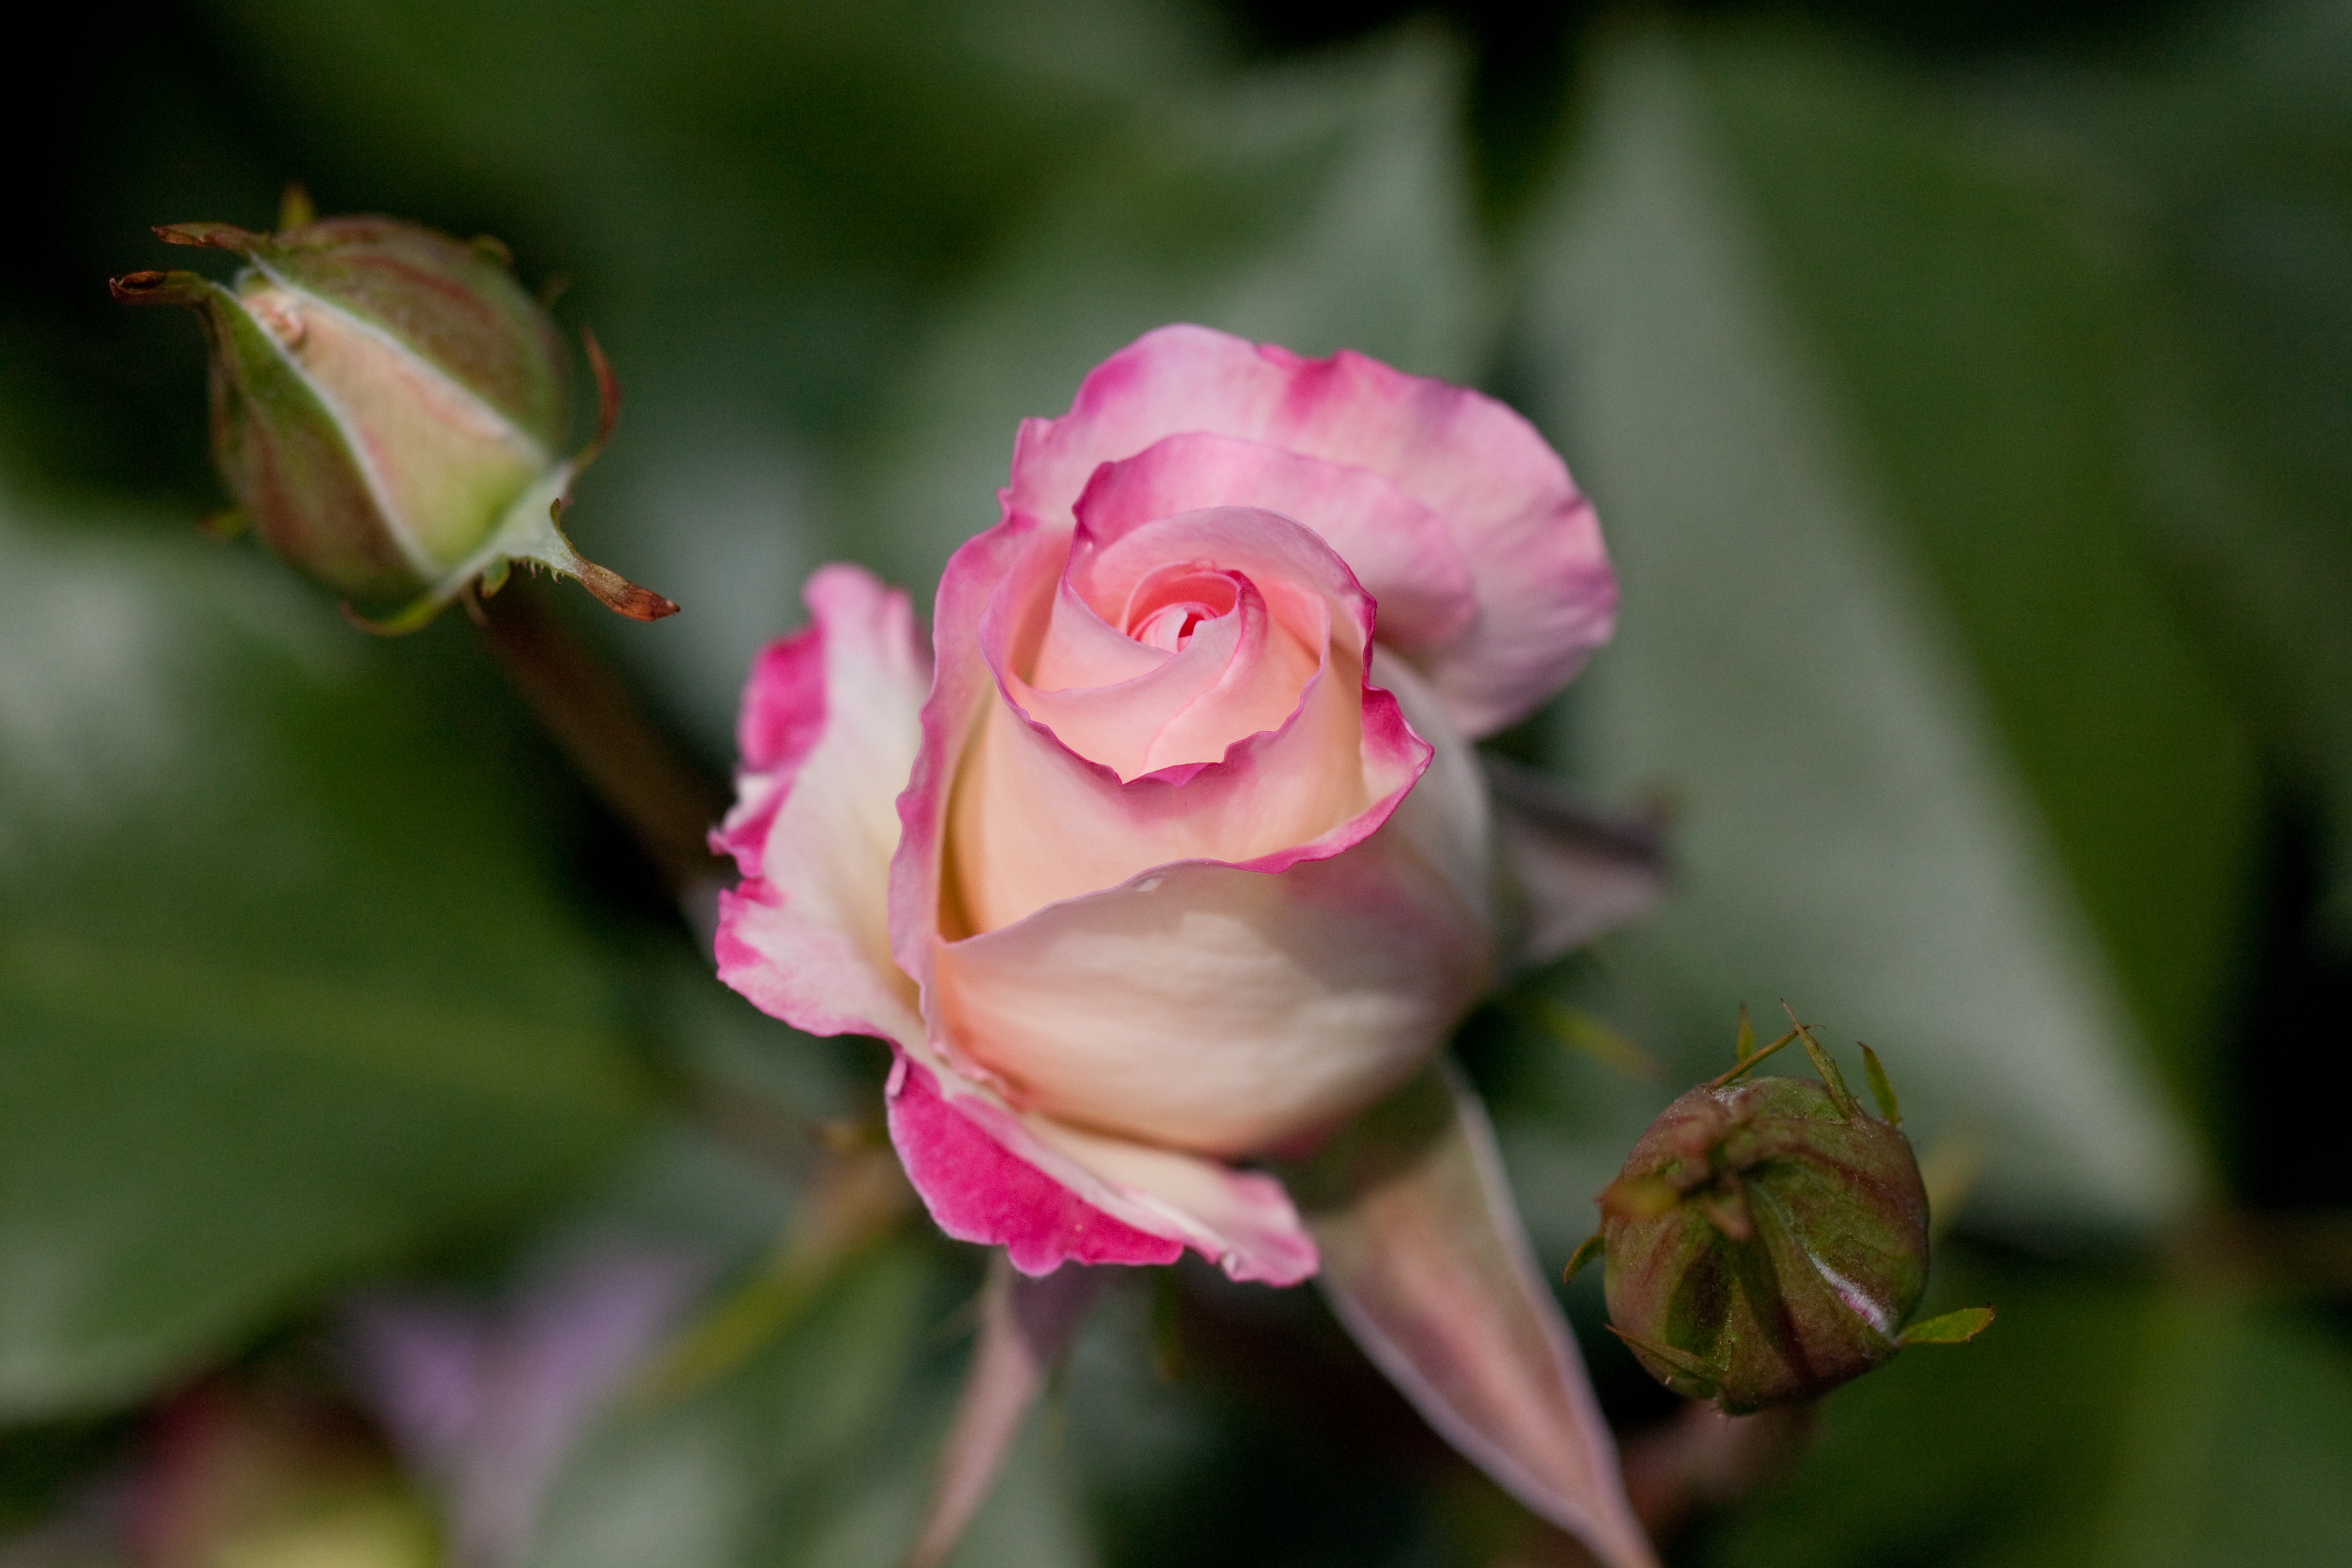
{"type": "Point", "coordinates": [1447, 818]}
{"type": "Point", "coordinates": [828, 731]}
{"type": "Point", "coordinates": [961, 684]}
{"type": "Point", "coordinates": [1035, 822]}
{"type": "Point", "coordinates": [1238, 675]}
{"type": "Point", "coordinates": [979, 1190]}
{"type": "Point", "coordinates": [1052, 1195]}
{"type": "Point", "coordinates": [1215, 1006]}
{"type": "Point", "coordinates": [1398, 549]}
{"type": "Point", "coordinates": [1242, 1220]}
{"type": "Point", "coordinates": [1546, 596]}
{"type": "Point", "coordinates": [1219, 1008]}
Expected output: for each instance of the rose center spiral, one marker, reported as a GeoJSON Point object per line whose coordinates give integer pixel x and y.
{"type": "Point", "coordinates": [1169, 603]}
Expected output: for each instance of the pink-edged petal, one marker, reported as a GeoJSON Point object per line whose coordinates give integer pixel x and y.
{"type": "Point", "coordinates": [1219, 1008]}
{"type": "Point", "coordinates": [831, 724]}
{"type": "Point", "coordinates": [1448, 822]}
{"type": "Point", "coordinates": [1226, 1007]}
{"type": "Point", "coordinates": [1291, 564]}
{"type": "Point", "coordinates": [1425, 1263]}
{"type": "Point", "coordinates": [1052, 1195]}
{"type": "Point", "coordinates": [963, 687]}
{"type": "Point", "coordinates": [1078, 648]}
{"type": "Point", "coordinates": [829, 729]}
{"type": "Point", "coordinates": [1573, 871]}
{"type": "Point", "coordinates": [1242, 1220]}
{"type": "Point", "coordinates": [1546, 595]}
{"type": "Point", "coordinates": [1260, 593]}
{"type": "Point", "coordinates": [1399, 549]}
{"type": "Point", "coordinates": [979, 1190]}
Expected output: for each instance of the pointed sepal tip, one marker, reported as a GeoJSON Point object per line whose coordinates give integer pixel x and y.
{"type": "Point", "coordinates": [1951, 1328]}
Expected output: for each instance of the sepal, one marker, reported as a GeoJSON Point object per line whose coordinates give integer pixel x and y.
{"type": "Point", "coordinates": [1951, 1328]}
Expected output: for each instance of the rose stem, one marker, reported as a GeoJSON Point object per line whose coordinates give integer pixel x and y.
{"type": "Point", "coordinates": [666, 803]}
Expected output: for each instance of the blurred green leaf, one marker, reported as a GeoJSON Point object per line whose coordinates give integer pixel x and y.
{"type": "Point", "coordinates": [291, 985]}
{"type": "Point", "coordinates": [2238, 1441]}
{"type": "Point", "coordinates": [816, 1451]}
{"type": "Point", "coordinates": [2104, 1424]}
{"type": "Point", "coordinates": [1977, 345]}
{"type": "Point", "coordinates": [1857, 831]}
{"type": "Point", "coordinates": [2226, 169]}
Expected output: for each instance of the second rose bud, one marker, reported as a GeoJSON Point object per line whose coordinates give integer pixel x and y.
{"type": "Point", "coordinates": [1767, 1239]}
{"type": "Point", "coordinates": [390, 410]}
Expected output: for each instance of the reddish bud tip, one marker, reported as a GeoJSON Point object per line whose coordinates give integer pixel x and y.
{"type": "Point", "coordinates": [621, 595]}
{"type": "Point", "coordinates": [156, 287]}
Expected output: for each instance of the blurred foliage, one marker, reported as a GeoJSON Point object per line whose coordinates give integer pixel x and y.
{"type": "Point", "coordinates": [1966, 392]}
{"type": "Point", "coordinates": [293, 985]}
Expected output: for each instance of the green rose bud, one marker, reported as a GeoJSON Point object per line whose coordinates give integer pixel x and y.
{"type": "Point", "coordinates": [389, 407]}
{"type": "Point", "coordinates": [1767, 1240]}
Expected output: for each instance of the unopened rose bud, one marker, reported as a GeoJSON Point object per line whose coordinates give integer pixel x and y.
{"type": "Point", "coordinates": [388, 409]}
{"type": "Point", "coordinates": [1766, 1239]}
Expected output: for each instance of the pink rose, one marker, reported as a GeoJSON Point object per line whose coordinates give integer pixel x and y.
{"type": "Point", "coordinates": [1175, 853]}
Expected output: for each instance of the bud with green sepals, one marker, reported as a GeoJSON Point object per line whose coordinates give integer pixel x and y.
{"type": "Point", "coordinates": [388, 408]}
{"type": "Point", "coordinates": [1766, 1238]}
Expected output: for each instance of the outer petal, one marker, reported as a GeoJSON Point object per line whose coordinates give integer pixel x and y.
{"type": "Point", "coordinates": [962, 683]}
{"type": "Point", "coordinates": [828, 733]}
{"type": "Point", "coordinates": [1217, 1009]}
{"type": "Point", "coordinates": [1231, 1009]}
{"type": "Point", "coordinates": [1053, 1194]}
{"type": "Point", "coordinates": [1546, 595]}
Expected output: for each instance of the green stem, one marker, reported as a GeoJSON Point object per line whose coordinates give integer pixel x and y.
{"type": "Point", "coordinates": [667, 804]}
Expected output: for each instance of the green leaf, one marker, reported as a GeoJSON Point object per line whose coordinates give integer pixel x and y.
{"type": "Point", "coordinates": [1590, 1248]}
{"type": "Point", "coordinates": [2235, 1446]}
{"type": "Point", "coordinates": [1977, 351]}
{"type": "Point", "coordinates": [1951, 1328]}
{"type": "Point", "coordinates": [1855, 828]}
{"type": "Point", "coordinates": [291, 992]}
{"type": "Point", "coordinates": [2108, 1425]}
{"type": "Point", "coordinates": [2224, 167]}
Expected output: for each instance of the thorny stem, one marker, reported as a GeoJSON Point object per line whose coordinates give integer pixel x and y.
{"type": "Point", "coordinates": [667, 804]}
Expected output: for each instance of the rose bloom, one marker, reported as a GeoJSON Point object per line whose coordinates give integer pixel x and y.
{"type": "Point", "coordinates": [1173, 854]}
